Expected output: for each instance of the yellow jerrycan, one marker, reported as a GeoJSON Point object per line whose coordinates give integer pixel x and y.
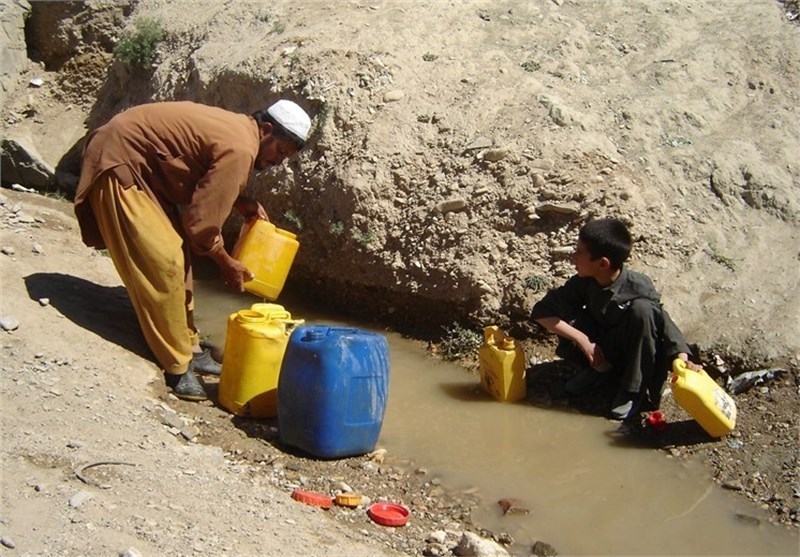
{"type": "Point", "coordinates": [703, 399]}
{"type": "Point", "coordinates": [502, 366]}
{"type": "Point", "coordinates": [267, 252]}
{"type": "Point", "coordinates": [255, 343]}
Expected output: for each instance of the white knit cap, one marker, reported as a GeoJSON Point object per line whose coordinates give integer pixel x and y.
{"type": "Point", "coordinates": [293, 118]}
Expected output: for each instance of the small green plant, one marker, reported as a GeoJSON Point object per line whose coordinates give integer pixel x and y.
{"type": "Point", "coordinates": [717, 257]}
{"type": "Point", "coordinates": [278, 27]}
{"type": "Point", "coordinates": [530, 65]}
{"type": "Point", "coordinates": [459, 342]}
{"type": "Point", "coordinates": [363, 238]}
{"type": "Point", "coordinates": [336, 228]}
{"type": "Point", "coordinates": [424, 118]}
{"type": "Point", "coordinates": [59, 195]}
{"type": "Point", "coordinates": [293, 218]}
{"type": "Point", "coordinates": [138, 47]}
{"type": "Point", "coordinates": [537, 283]}
{"type": "Point", "coordinates": [429, 57]}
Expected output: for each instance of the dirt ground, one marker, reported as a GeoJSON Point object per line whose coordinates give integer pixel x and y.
{"type": "Point", "coordinates": [168, 477]}
{"type": "Point", "coordinates": [457, 149]}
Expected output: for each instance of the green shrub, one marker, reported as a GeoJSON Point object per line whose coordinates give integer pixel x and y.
{"type": "Point", "coordinates": [337, 228]}
{"type": "Point", "coordinates": [459, 342]}
{"type": "Point", "coordinates": [530, 65]}
{"type": "Point", "coordinates": [537, 283]}
{"type": "Point", "coordinates": [293, 218]}
{"type": "Point", "coordinates": [138, 47]}
{"type": "Point", "coordinates": [363, 238]}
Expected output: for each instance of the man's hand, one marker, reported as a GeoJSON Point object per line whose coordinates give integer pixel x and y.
{"type": "Point", "coordinates": [250, 208]}
{"type": "Point", "coordinates": [234, 274]}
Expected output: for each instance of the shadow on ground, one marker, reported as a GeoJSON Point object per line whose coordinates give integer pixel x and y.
{"type": "Point", "coordinates": [103, 310]}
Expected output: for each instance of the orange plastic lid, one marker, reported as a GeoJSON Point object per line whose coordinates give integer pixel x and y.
{"type": "Point", "coordinates": [388, 514]}
{"type": "Point", "coordinates": [312, 498]}
{"type": "Point", "coordinates": [348, 499]}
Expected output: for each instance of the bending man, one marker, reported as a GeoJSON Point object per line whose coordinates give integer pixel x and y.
{"type": "Point", "coordinates": [157, 183]}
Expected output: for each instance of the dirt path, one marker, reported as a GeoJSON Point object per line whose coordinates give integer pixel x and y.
{"type": "Point", "coordinates": [76, 391]}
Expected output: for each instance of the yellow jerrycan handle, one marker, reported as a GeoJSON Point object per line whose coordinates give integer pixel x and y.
{"type": "Point", "coordinates": [492, 334]}
{"type": "Point", "coordinates": [679, 367]}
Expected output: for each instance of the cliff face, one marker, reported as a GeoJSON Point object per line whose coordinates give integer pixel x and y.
{"type": "Point", "coordinates": [458, 148]}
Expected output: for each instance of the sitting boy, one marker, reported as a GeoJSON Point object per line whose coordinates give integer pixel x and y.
{"type": "Point", "coordinates": [611, 323]}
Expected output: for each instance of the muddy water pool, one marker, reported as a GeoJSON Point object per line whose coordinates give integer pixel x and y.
{"type": "Point", "coordinates": [589, 490]}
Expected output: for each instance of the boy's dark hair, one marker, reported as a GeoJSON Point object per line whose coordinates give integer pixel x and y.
{"type": "Point", "coordinates": [608, 238]}
{"type": "Point", "coordinates": [262, 117]}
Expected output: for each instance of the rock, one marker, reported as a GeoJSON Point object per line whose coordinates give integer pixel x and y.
{"type": "Point", "coordinates": [21, 162]}
{"type": "Point", "coordinates": [569, 209]}
{"type": "Point", "coordinates": [472, 545]}
{"type": "Point", "coordinates": [513, 506]}
{"type": "Point", "coordinates": [37, 249]}
{"type": "Point", "coordinates": [478, 143]}
{"type": "Point", "coordinates": [451, 205]}
{"type": "Point", "coordinates": [80, 498]}
{"type": "Point", "coordinates": [9, 323]}
{"type": "Point", "coordinates": [8, 250]}
{"type": "Point", "coordinates": [8, 542]}
{"type": "Point", "coordinates": [130, 552]}
{"type": "Point", "coordinates": [44, 302]}
{"type": "Point", "coordinates": [542, 549]}
{"type": "Point", "coordinates": [439, 536]}
{"type": "Point", "coordinates": [494, 155]}
{"type": "Point", "coordinates": [393, 96]}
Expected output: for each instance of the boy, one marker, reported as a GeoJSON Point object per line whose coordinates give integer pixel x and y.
{"type": "Point", "coordinates": [611, 323]}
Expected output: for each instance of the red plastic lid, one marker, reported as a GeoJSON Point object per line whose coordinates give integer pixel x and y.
{"type": "Point", "coordinates": [312, 498]}
{"type": "Point", "coordinates": [388, 514]}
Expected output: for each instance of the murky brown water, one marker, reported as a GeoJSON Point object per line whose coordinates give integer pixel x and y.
{"type": "Point", "coordinates": [589, 492]}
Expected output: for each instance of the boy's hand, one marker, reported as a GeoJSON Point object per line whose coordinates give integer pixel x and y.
{"type": "Point", "coordinates": [689, 364]}
{"type": "Point", "coordinates": [593, 352]}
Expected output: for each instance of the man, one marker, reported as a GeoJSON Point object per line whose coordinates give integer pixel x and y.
{"type": "Point", "coordinates": [157, 183]}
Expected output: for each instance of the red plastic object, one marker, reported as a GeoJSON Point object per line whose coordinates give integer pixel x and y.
{"type": "Point", "coordinates": [388, 514]}
{"type": "Point", "coordinates": [656, 421]}
{"type": "Point", "coordinates": [312, 498]}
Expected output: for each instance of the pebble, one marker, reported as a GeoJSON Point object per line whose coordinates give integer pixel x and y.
{"type": "Point", "coordinates": [8, 250]}
{"type": "Point", "coordinates": [494, 155]}
{"type": "Point", "coordinates": [9, 323]}
{"type": "Point", "coordinates": [37, 249]}
{"type": "Point", "coordinates": [451, 205]}
{"type": "Point", "coordinates": [478, 143]}
{"type": "Point", "coordinates": [44, 302]}
{"type": "Point", "coordinates": [8, 542]}
{"type": "Point", "coordinates": [393, 96]}
{"type": "Point", "coordinates": [80, 498]}
{"type": "Point", "coordinates": [130, 552]}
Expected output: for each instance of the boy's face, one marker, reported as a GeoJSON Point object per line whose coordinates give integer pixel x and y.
{"type": "Point", "coordinates": [585, 265]}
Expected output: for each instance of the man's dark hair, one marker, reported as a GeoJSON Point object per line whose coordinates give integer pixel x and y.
{"type": "Point", "coordinates": [262, 117]}
{"type": "Point", "coordinates": [608, 238]}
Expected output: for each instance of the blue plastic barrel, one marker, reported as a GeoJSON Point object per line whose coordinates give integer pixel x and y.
{"type": "Point", "coordinates": [332, 390]}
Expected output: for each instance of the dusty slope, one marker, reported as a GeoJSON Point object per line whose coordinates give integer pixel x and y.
{"type": "Point", "coordinates": [680, 117]}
